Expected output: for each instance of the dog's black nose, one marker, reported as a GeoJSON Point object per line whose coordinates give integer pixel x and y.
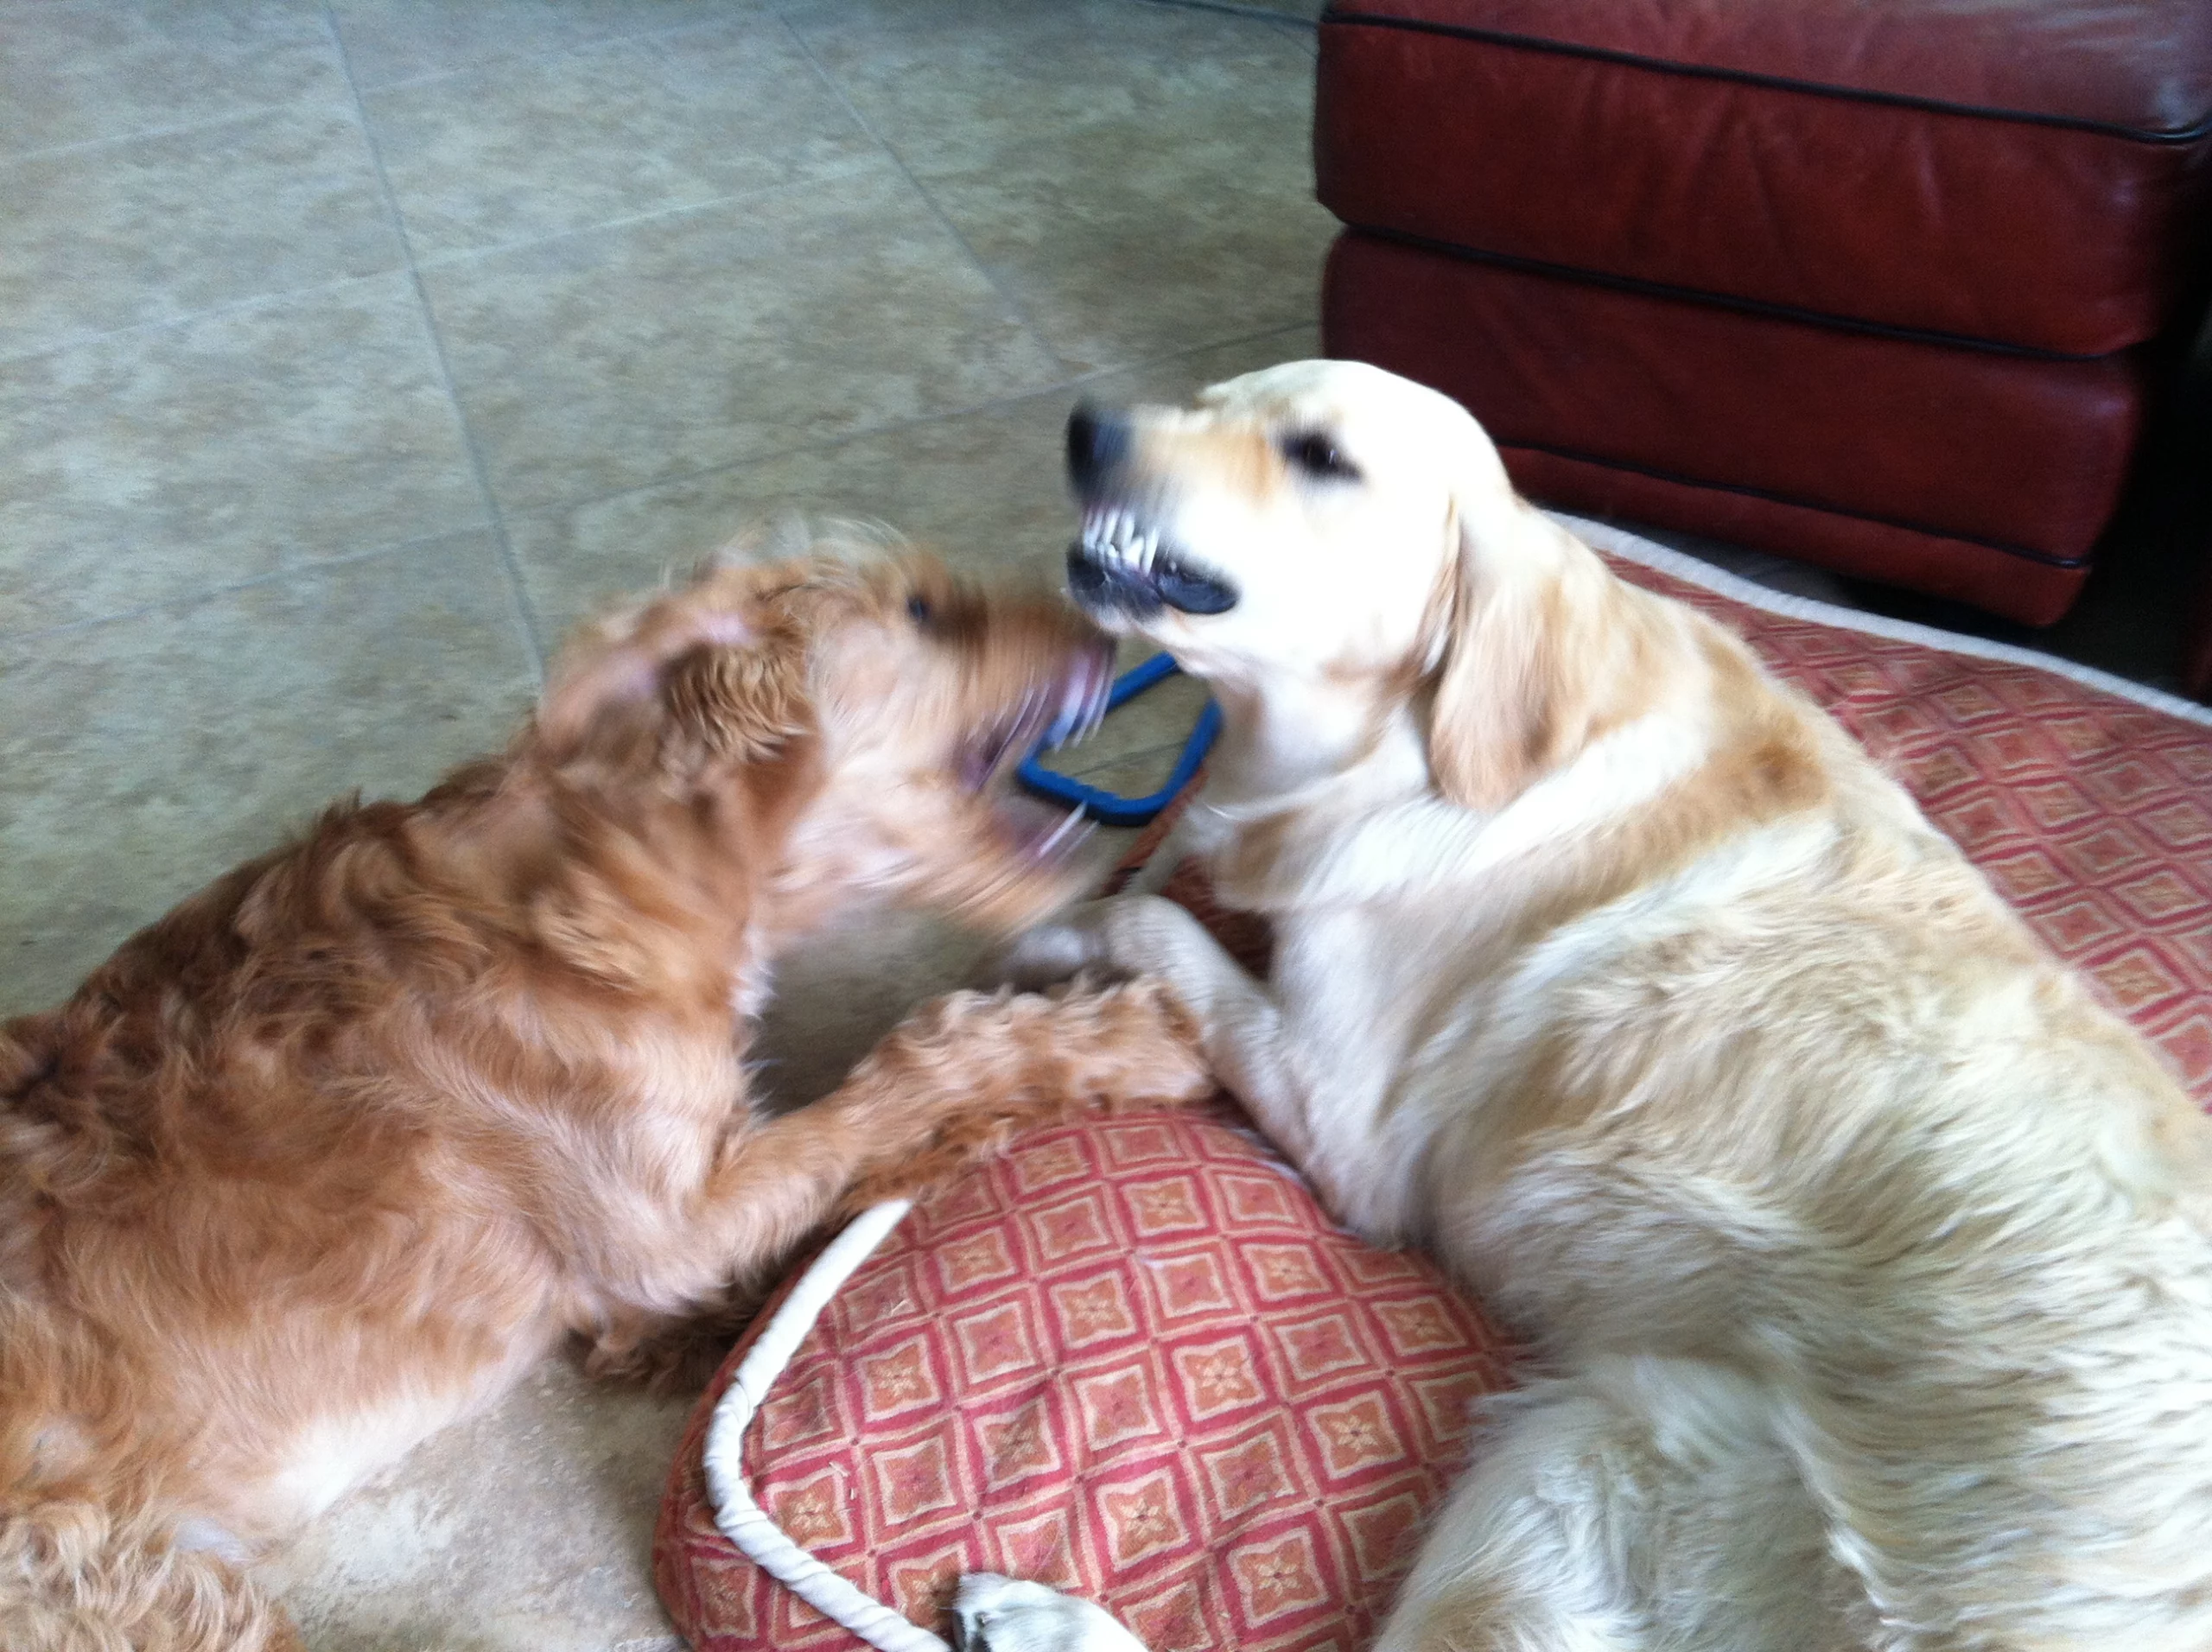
{"type": "Point", "coordinates": [1098, 443]}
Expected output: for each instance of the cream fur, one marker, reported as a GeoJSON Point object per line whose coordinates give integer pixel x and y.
{"type": "Point", "coordinates": [1866, 1250]}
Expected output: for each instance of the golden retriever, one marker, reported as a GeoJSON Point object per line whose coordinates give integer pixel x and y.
{"type": "Point", "coordinates": [330, 1154]}
{"type": "Point", "coordinates": [1866, 1250]}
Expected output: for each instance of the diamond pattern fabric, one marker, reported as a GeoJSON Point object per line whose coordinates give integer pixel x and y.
{"type": "Point", "coordinates": [1131, 1357]}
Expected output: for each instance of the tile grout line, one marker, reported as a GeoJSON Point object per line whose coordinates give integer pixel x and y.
{"type": "Point", "coordinates": [177, 129]}
{"type": "Point", "coordinates": [412, 266]}
{"type": "Point", "coordinates": [1020, 310]}
{"type": "Point", "coordinates": [229, 307]}
{"type": "Point", "coordinates": [231, 588]}
{"type": "Point", "coordinates": [526, 621]}
{"type": "Point", "coordinates": [397, 547]}
{"type": "Point", "coordinates": [461, 255]}
{"type": "Point", "coordinates": [434, 261]}
{"type": "Point", "coordinates": [990, 404]}
{"type": "Point", "coordinates": [570, 48]}
{"type": "Point", "coordinates": [355, 91]}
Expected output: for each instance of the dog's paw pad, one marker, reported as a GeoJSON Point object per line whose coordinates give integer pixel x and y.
{"type": "Point", "coordinates": [996, 1614]}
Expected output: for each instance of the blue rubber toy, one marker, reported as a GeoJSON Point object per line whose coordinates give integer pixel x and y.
{"type": "Point", "coordinates": [1110, 808]}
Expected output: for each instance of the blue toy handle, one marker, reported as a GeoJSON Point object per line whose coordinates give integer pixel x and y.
{"type": "Point", "coordinates": [1110, 808]}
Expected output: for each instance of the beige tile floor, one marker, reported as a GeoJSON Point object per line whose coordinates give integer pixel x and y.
{"type": "Point", "coordinates": [349, 352]}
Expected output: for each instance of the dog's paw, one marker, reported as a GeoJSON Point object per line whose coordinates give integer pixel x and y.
{"type": "Point", "coordinates": [1149, 935]}
{"type": "Point", "coordinates": [1047, 956]}
{"type": "Point", "coordinates": [1108, 940]}
{"type": "Point", "coordinates": [996, 1614]}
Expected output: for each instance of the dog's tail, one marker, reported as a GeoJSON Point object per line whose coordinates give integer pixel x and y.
{"type": "Point", "coordinates": [76, 1577]}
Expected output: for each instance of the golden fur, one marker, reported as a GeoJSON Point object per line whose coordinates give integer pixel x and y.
{"type": "Point", "coordinates": [330, 1154]}
{"type": "Point", "coordinates": [1868, 1253]}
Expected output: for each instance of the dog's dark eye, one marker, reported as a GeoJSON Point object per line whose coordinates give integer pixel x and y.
{"type": "Point", "coordinates": [1317, 455]}
{"type": "Point", "coordinates": [919, 609]}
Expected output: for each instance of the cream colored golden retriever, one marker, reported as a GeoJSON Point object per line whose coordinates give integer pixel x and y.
{"type": "Point", "coordinates": [332, 1153]}
{"type": "Point", "coordinates": [1866, 1250]}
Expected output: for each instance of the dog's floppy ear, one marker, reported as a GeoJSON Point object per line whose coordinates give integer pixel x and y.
{"type": "Point", "coordinates": [718, 681]}
{"type": "Point", "coordinates": [737, 704]}
{"type": "Point", "coordinates": [1526, 651]}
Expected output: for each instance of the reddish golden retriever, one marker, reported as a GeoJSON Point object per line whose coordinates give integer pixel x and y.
{"type": "Point", "coordinates": [332, 1153]}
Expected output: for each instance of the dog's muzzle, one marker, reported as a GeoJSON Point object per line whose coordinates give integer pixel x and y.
{"type": "Point", "coordinates": [1120, 566]}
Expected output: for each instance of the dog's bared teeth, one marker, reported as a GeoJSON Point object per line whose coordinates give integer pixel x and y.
{"type": "Point", "coordinates": [1098, 532]}
{"type": "Point", "coordinates": [1115, 534]}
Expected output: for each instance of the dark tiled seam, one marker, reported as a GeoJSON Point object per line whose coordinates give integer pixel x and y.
{"type": "Point", "coordinates": [2200, 128]}
{"type": "Point", "coordinates": [2043, 558]}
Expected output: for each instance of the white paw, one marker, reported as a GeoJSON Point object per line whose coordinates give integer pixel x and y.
{"type": "Point", "coordinates": [1049, 955]}
{"type": "Point", "coordinates": [1115, 939]}
{"type": "Point", "coordinates": [1150, 935]}
{"type": "Point", "coordinates": [996, 1614]}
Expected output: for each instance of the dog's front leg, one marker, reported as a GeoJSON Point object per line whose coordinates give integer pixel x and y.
{"type": "Point", "coordinates": [964, 1074]}
{"type": "Point", "coordinates": [951, 1082]}
{"type": "Point", "coordinates": [954, 1080]}
{"type": "Point", "coordinates": [1240, 1028]}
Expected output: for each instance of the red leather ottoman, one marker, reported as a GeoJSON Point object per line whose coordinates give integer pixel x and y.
{"type": "Point", "coordinates": [1888, 285]}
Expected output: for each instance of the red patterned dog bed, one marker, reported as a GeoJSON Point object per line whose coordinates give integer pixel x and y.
{"type": "Point", "coordinates": [1131, 1358]}
{"type": "Point", "coordinates": [1134, 1359]}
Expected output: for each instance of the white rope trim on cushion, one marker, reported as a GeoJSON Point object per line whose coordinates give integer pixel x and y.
{"type": "Point", "coordinates": [1691, 571]}
{"type": "Point", "coordinates": [741, 1519]}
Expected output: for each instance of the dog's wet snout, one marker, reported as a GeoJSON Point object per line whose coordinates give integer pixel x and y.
{"type": "Point", "coordinates": [1098, 443]}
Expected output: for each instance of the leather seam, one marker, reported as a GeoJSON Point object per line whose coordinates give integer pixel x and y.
{"type": "Point", "coordinates": [2043, 559]}
{"type": "Point", "coordinates": [1636, 286]}
{"type": "Point", "coordinates": [2201, 128]}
